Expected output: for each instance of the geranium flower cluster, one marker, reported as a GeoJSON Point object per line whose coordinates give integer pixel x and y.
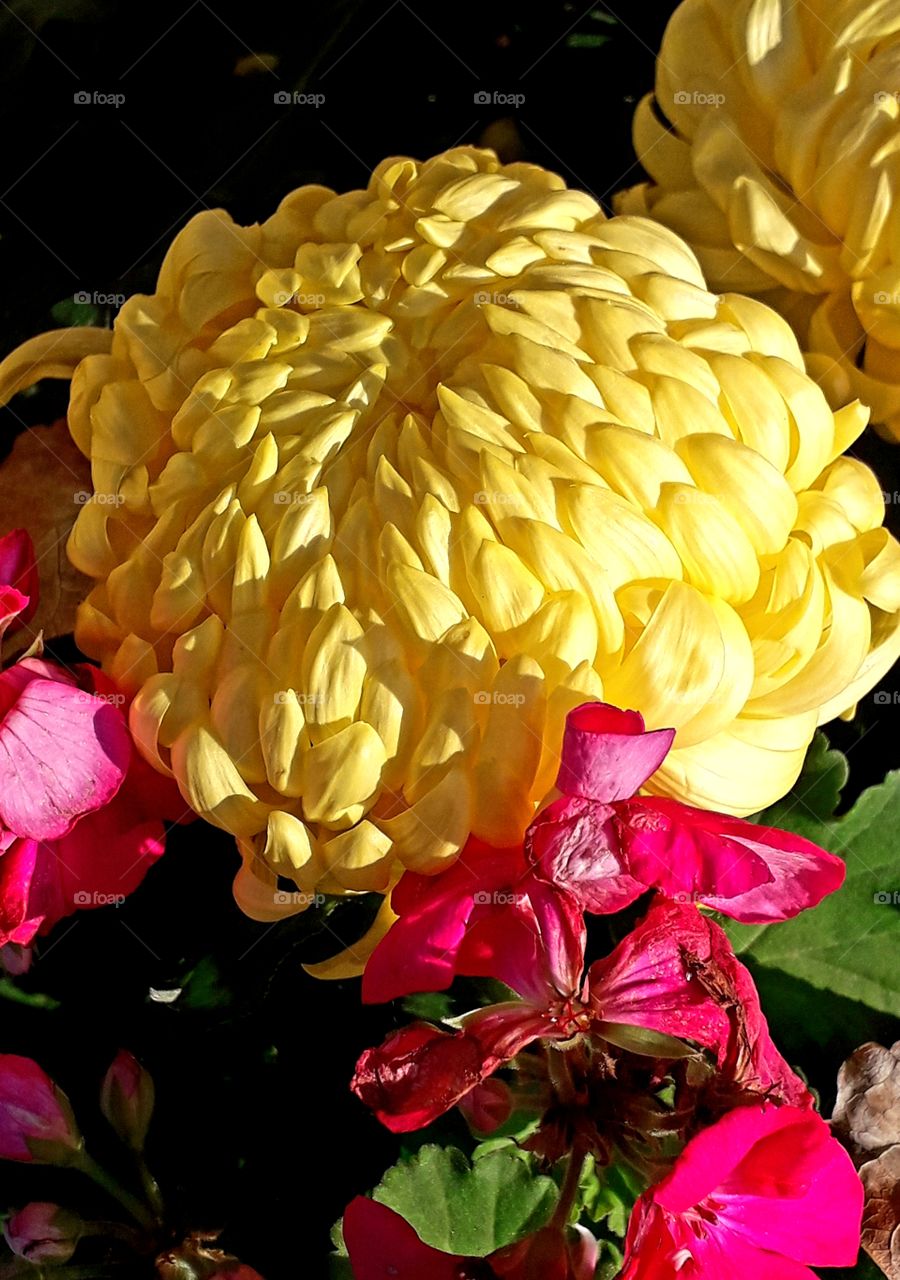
{"type": "Point", "coordinates": [742, 1176]}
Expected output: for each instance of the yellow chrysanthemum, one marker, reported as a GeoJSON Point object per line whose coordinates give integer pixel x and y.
{"type": "Point", "coordinates": [385, 486]}
{"type": "Point", "coordinates": [773, 144]}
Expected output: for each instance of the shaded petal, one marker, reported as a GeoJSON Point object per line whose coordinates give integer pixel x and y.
{"type": "Point", "coordinates": [381, 1243]}
{"type": "Point", "coordinates": [63, 752]}
{"type": "Point", "coordinates": [606, 753]}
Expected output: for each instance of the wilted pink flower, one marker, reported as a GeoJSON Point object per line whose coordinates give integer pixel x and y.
{"type": "Point", "coordinates": [764, 1193]}
{"type": "Point", "coordinates": [675, 975]}
{"type": "Point", "coordinates": [43, 1232]}
{"type": "Point", "coordinates": [126, 1098]}
{"type": "Point", "coordinates": [608, 846]}
{"type": "Point", "coordinates": [36, 1121]}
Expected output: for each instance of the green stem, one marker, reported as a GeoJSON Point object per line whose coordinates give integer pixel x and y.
{"type": "Point", "coordinates": [569, 1189]}
{"type": "Point", "coordinates": [151, 1188]}
{"type": "Point", "coordinates": [138, 1210]}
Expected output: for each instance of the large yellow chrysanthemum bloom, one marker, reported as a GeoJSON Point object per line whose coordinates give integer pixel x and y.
{"type": "Point", "coordinates": [387, 485]}
{"type": "Point", "coordinates": [781, 168]}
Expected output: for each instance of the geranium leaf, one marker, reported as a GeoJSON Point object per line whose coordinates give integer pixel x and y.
{"type": "Point", "coordinates": [468, 1209]}
{"type": "Point", "coordinates": [846, 945]}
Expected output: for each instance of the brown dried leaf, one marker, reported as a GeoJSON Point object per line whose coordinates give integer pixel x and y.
{"type": "Point", "coordinates": [867, 1120]}
{"type": "Point", "coordinates": [881, 1218]}
{"type": "Point", "coordinates": [43, 483]}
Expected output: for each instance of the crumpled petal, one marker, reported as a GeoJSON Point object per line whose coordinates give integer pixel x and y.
{"type": "Point", "coordinates": [607, 754]}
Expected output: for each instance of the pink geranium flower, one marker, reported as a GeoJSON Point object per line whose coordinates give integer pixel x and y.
{"type": "Point", "coordinates": [608, 845]}
{"type": "Point", "coordinates": [675, 974]}
{"type": "Point", "coordinates": [764, 1193]}
{"type": "Point", "coordinates": [81, 815]}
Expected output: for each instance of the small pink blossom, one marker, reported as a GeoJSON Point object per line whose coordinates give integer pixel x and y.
{"type": "Point", "coordinates": [36, 1121]}
{"type": "Point", "coordinates": [43, 1232]}
{"type": "Point", "coordinates": [765, 1192]}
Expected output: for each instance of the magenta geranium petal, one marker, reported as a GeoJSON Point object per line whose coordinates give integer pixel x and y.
{"type": "Point", "coordinates": [766, 1191]}
{"type": "Point", "coordinates": [19, 588]}
{"type": "Point", "coordinates": [380, 1243]}
{"type": "Point", "coordinates": [63, 752]}
{"type": "Point", "coordinates": [574, 843]}
{"type": "Point", "coordinates": [651, 981]}
{"type": "Point", "coordinates": [607, 754]}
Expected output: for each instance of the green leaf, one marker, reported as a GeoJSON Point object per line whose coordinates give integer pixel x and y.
{"type": "Point", "coordinates": [70, 312]}
{"type": "Point", "coordinates": [608, 1196]}
{"type": "Point", "coordinates": [846, 945]}
{"type": "Point", "coordinates": [433, 1006]}
{"type": "Point", "coordinates": [468, 1209]}
{"type": "Point", "coordinates": [865, 1269]}
{"type": "Point", "coordinates": [583, 40]}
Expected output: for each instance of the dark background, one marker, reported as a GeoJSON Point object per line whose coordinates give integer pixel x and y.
{"type": "Point", "coordinates": [252, 1060]}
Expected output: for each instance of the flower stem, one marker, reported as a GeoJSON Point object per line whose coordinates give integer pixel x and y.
{"type": "Point", "coordinates": [138, 1210]}
{"type": "Point", "coordinates": [152, 1192]}
{"type": "Point", "coordinates": [569, 1189]}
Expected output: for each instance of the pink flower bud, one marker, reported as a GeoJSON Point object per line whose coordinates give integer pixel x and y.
{"type": "Point", "coordinates": [36, 1121]}
{"type": "Point", "coordinates": [126, 1099]}
{"type": "Point", "coordinates": [43, 1232]}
